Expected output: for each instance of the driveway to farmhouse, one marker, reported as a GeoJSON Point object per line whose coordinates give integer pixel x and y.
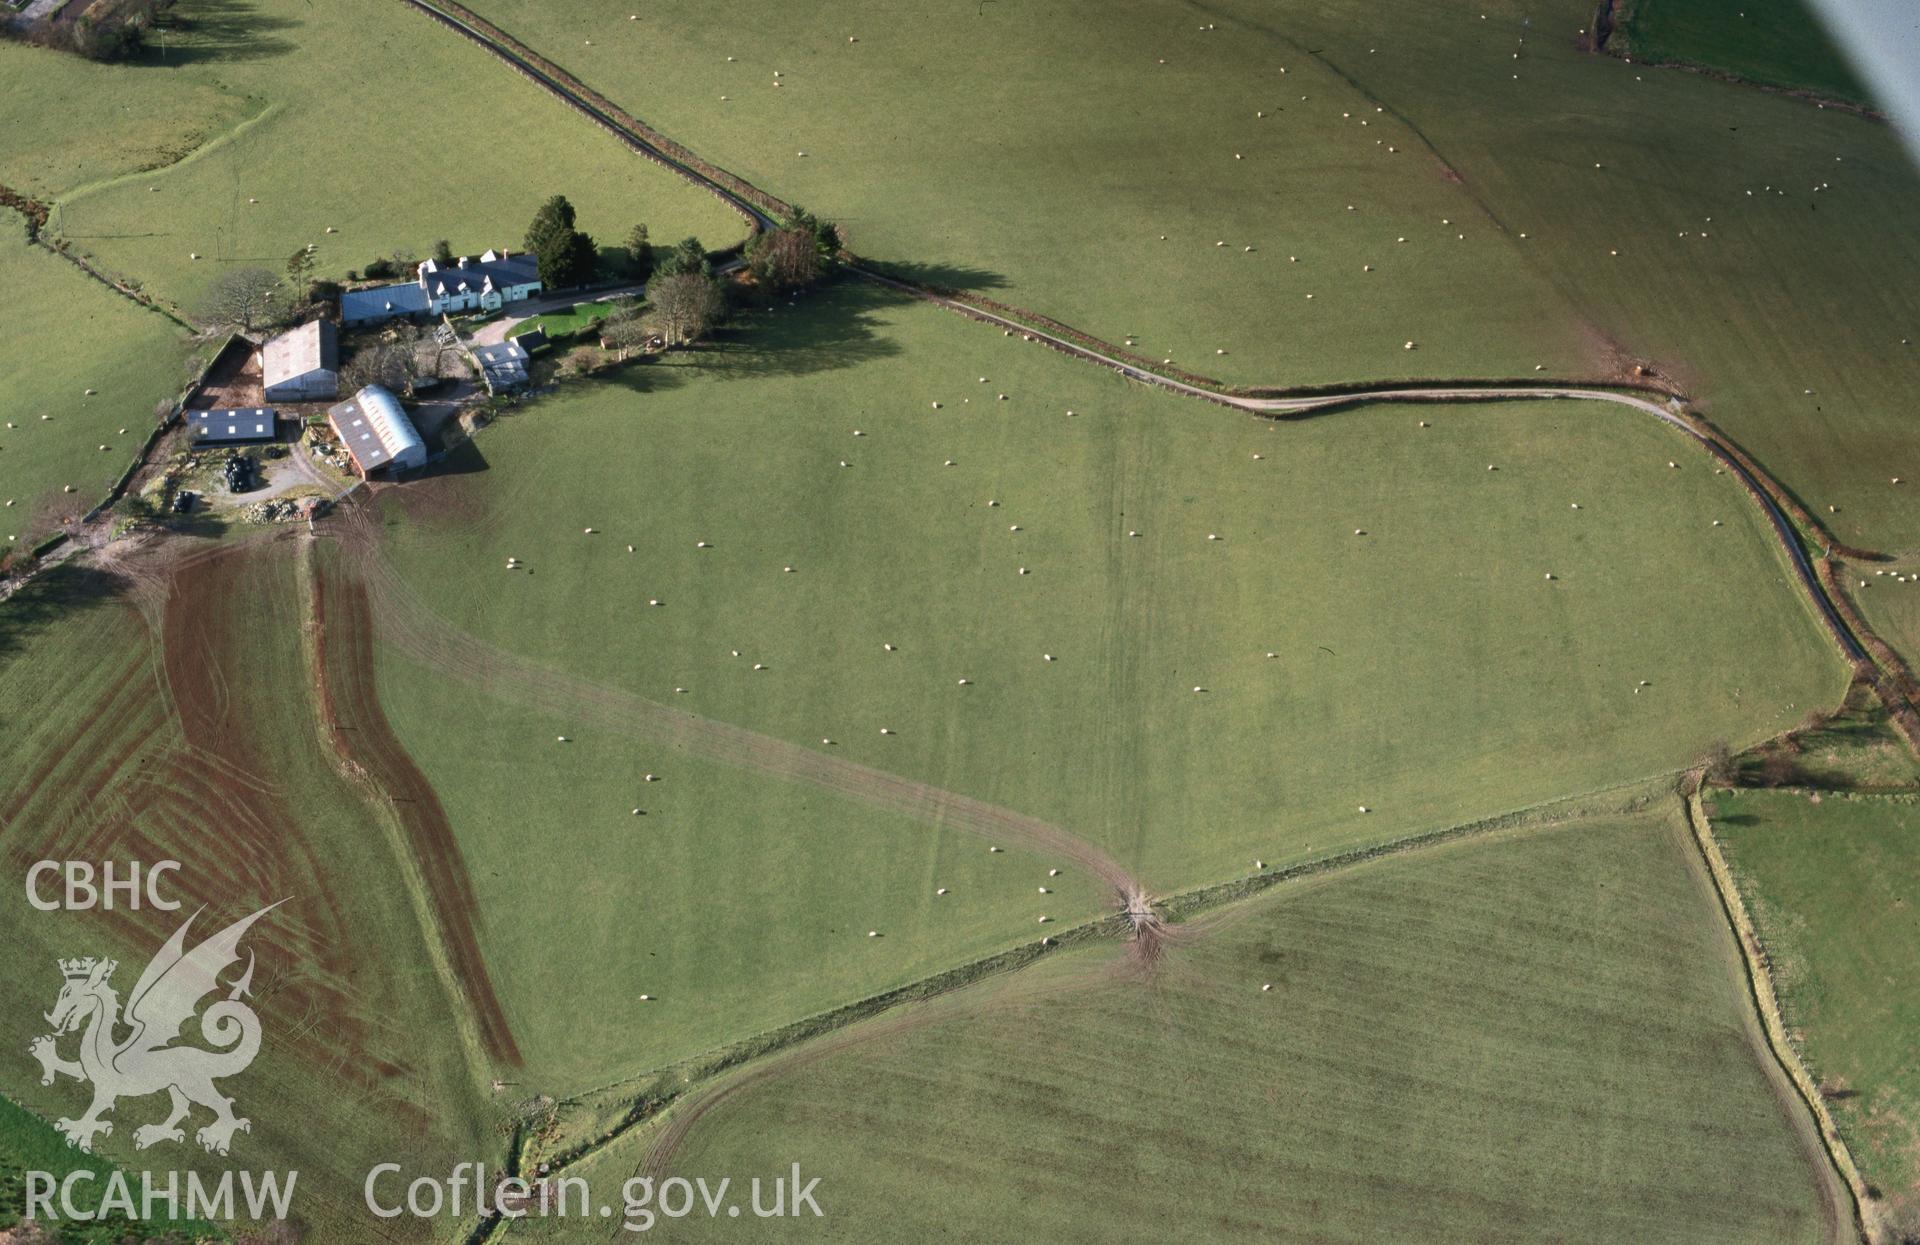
{"type": "Point", "coordinates": [493, 332]}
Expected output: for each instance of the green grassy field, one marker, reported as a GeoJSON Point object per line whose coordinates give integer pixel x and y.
{"type": "Point", "coordinates": [1890, 601]}
{"type": "Point", "coordinates": [1006, 151]}
{"type": "Point", "coordinates": [67, 122]}
{"type": "Point", "coordinates": [1773, 42]}
{"type": "Point", "coordinates": [1380, 644]}
{"type": "Point", "coordinates": [81, 336]}
{"type": "Point", "coordinates": [184, 743]}
{"type": "Point", "coordinates": [250, 101]}
{"type": "Point", "coordinates": [1512, 1040]}
{"type": "Point", "coordinates": [1831, 886]}
{"type": "Point", "coordinates": [556, 323]}
{"type": "Point", "coordinates": [1020, 157]}
{"type": "Point", "coordinates": [1783, 315]}
{"type": "Point", "coordinates": [737, 903]}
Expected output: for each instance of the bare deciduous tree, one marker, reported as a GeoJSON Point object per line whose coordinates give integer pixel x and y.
{"type": "Point", "coordinates": [682, 307]}
{"type": "Point", "coordinates": [244, 299]}
{"type": "Point", "coordinates": [625, 335]}
{"type": "Point", "coordinates": [391, 365]}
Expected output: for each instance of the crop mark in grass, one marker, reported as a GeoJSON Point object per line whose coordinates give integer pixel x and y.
{"type": "Point", "coordinates": [417, 630]}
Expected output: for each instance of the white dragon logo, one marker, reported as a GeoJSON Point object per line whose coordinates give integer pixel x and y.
{"type": "Point", "coordinates": [163, 1000]}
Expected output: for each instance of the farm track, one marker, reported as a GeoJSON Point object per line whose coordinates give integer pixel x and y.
{"type": "Point", "coordinates": [415, 629]}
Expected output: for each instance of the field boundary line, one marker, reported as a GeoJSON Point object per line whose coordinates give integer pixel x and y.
{"type": "Point", "coordinates": [214, 143]}
{"type": "Point", "coordinates": [1766, 1005]}
{"type": "Point", "coordinates": [1611, 19]}
{"type": "Point", "coordinates": [684, 1076]}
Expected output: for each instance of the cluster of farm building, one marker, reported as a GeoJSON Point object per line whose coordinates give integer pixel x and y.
{"type": "Point", "coordinates": [302, 364]}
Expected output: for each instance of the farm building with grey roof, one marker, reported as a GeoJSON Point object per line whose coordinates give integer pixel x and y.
{"type": "Point", "coordinates": [302, 364]}
{"type": "Point", "coordinates": [488, 283]}
{"type": "Point", "coordinates": [376, 432]}
{"type": "Point", "coordinates": [229, 427]}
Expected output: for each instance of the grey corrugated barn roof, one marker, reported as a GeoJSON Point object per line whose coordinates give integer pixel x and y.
{"type": "Point", "coordinates": [376, 431]}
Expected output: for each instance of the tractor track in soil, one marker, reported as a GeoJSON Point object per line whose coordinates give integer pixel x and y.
{"type": "Point", "coordinates": [367, 747]}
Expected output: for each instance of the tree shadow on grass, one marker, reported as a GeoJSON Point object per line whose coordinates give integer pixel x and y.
{"type": "Point", "coordinates": [215, 31]}
{"type": "Point", "coordinates": [830, 329]}
{"type": "Point", "coordinates": [463, 459]}
{"type": "Point", "coordinates": [938, 276]}
{"type": "Point", "coordinates": [56, 596]}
